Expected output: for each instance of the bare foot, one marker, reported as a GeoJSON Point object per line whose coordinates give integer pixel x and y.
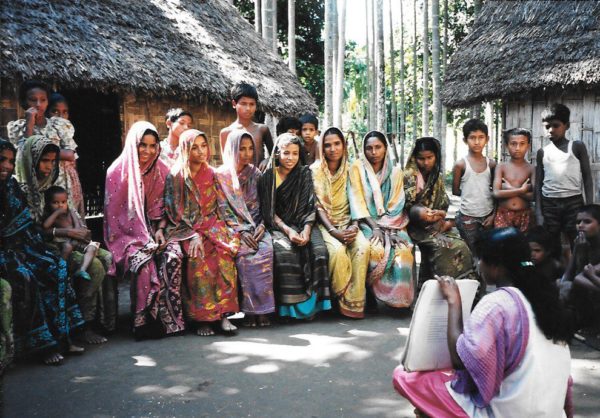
{"type": "Point", "coordinates": [249, 320]}
{"type": "Point", "coordinates": [227, 326]}
{"type": "Point", "coordinates": [53, 358]}
{"type": "Point", "coordinates": [205, 330]}
{"type": "Point", "coordinates": [263, 321]}
{"type": "Point", "coordinates": [90, 337]}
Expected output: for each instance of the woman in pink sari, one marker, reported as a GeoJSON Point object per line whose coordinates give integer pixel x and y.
{"type": "Point", "coordinates": [192, 200]}
{"type": "Point", "coordinates": [134, 223]}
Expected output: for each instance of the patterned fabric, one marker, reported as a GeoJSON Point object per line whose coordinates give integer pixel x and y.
{"type": "Point", "coordinates": [380, 196]}
{"type": "Point", "coordinates": [242, 213]}
{"type": "Point", "coordinates": [43, 301]}
{"type": "Point", "coordinates": [61, 132]}
{"type": "Point", "coordinates": [300, 272]}
{"type": "Point", "coordinates": [6, 332]}
{"type": "Point", "coordinates": [168, 154]}
{"type": "Point", "coordinates": [192, 204]}
{"type": "Point", "coordinates": [28, 159]}
{"type": "Point", "coordinates": [134, 200]}
{"type": "Point", "coordinates": [347, 263]}
{"type": "Point", "coordinates": [520, 219]}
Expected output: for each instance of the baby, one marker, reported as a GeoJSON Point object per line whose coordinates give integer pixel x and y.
{"type": "Point", "coordinates": [59, 215]}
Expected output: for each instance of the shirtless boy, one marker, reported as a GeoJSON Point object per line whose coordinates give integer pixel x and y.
{"type": "Point", "coordinates": [244, 98]}
{"type": "Point", "coordinates": [513, 183]}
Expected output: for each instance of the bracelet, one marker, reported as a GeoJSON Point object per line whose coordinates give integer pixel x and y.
{"type": "Point", "coordinates": [333, 228]}
{"type": "Point", "coordinates": [53, 232]}
{"type": "Point", "coordinates": [377, 228]}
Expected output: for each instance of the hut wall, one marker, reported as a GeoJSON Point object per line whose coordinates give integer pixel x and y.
{"type": "Point", "coordinates": [9, 105]}
{"type": "Point", "coordinates": [525, 112]}
{"type": "Point", "coordinates": [208, 117]}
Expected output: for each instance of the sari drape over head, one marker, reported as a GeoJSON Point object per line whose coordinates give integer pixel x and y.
{"type": "Point", "coordinates": [348, 263]}
{"type": "Point", "coordinates": [300, 271]}
{"type": "Point", "coordinates": [194, 207]}
{"type": "Point", "coordinates": [133, 200]}
{"type": "Point", "coordinates": [380, 196]}
{"type": "Point", "coordinates": [242, 213]}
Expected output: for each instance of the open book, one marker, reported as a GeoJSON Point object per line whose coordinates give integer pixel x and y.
{"type": "Point", "coordinates": [427, 344]}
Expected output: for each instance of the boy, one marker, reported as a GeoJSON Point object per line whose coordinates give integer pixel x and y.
{"type": "Point", "coordinates": [290, 125]}
{"type": "Point", "coordinates": [310, 132]}
{"type": "Point", "coordinates": [178, 121]}
{"type": "Point", "coordinates": [243, 99]}
{"type": "Point", "coordinates": [513, 183]}
{"type": "Point", "coordinates": [472, 181]}
{"type": "Point", "coordinates": [563, 169]}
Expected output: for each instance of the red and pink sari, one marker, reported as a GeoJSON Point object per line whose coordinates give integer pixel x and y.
{"type": "Point", "coordinates": [192, 205]}
{"type": "Point", "coordinates": [133, 207]}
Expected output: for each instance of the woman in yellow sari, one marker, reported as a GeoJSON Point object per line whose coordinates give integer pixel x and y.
{"type": "Point", "coordinates": [348, 248]}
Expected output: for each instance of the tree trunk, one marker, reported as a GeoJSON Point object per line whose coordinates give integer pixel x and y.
{"type": "Point", "coordinates": [275, 37]}
{"type": "Point", "coordinates": [402, 128]}
{"type": "Point", "coordinates": [257, 16]}
{"type": "Point", "coordinates": [292, 35]}
{"type": "Point", "coordinates": [373, 70]}
{"type": "Point", "coordinates": [489, 121]}
{"type": "Point", "coordinates": [267, 21]}
{"type": "Point", "coordinates": [425, 126]}
{"type": "Point", "coordinates": [380, 65]}
{"type": "Point", "coordinates": [368, 62]}
{"type": "Point", "coordinates": [444, 64]}
{"type": "Point", "coordinates": [341, 52]}
{"type": "Point", "coordinates": [455, 150]}
{"type": "Point", "coordinates": [437, 80]}
{"type": "Point", "coordinates": [415, 47]}
{"type": "Point", "coordinates": [476, 109]}
{"type": "Point", "coordinates": [395, 134]}
{"type": "Point", "coordinates": [329, 14]}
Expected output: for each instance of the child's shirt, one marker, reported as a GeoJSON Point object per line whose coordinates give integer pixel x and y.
{"type": "Point", "coordinates": [60, 131]}
{"type": "Point", "coordinates": [168, 154]}
{"type": "Point", "coordinates": [562, 172]}
{"type": "Point", "coordinates": [476, 198]}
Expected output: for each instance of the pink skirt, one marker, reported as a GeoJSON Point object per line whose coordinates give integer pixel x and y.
{"type": "Point", "coordinates": [427, 392]}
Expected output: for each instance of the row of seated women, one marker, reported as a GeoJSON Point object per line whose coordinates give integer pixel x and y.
{"type": "Point", "coordinates": [291, 240]}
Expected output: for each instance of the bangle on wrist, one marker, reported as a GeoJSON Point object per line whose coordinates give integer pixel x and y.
{"type": "Point", "coordinates": [53, 232]}
{"type": "Point", "coordinates": [333, 228]}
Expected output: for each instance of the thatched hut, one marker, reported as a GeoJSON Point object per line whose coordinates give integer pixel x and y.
{"type": "Point", "coordinates": [531, 54]}
{"type": "Point", "coordinates": [119, 62]}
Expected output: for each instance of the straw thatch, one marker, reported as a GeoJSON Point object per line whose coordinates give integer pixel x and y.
{"type": "Point", "coordinates": [521, 46]}
{"type": "Point", "coordinates": [190, 49]}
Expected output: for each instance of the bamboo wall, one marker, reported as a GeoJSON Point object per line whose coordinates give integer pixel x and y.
{"type": "Point", "coordinates": [525, 112]}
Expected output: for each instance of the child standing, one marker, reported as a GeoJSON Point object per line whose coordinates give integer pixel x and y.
{"type": "Point", "coordinates": [244, 98]}
{"type": "Point", "coordinates": [513, 183]}
{"type": "Point", "coordinates": [310, 132]}
{"type": "Point", "coordinates": [288, 124]}
{"type": "Point", "coordinates": [178, 121]}
{"type": "Point", "coordinates": [59, 215]}
{"type": "Point", "coordinates": [472, 181]}
{"type": "Point", "coordinates": [563, 170]}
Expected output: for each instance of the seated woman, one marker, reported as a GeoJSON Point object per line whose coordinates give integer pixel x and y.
{"type": "Point", "coordinates": [238, 179]}
{"type": "Point", "coordinates": [444, 252]}
{"type": "Point", "coordinates": [134, 224]}
{"type": "Point", "coordinates": [192, 198]}
{"type": "Point", "coordinates": [377, 200]}
{"type": "Point", "coordinates": [347, 246]}
{"type": "Point", "coordinates": [287, 202]}
{"type": "Point", "coordinates": [513, 349]}
{"type": "Point", "coordinates": [43, 301]}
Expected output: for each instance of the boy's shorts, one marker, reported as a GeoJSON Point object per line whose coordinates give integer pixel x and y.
{"type": "Point", "coordinates": [560, 214]}
{"type": "Point", "coordinates": [520, 219]}
{"type": "Point", "coordinates": [469, 227]}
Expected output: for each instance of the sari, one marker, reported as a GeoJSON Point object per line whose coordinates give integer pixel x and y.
{"type": "Point", "coordinates": [6, 332]}
{"type": "Point", "coordinates": [455, 260]}
{"type": "Point", "coordinates": [134, 200]}
{"type": "Point", "coordinates": [44, 304]}
{"type": "Point", "coordinates": [192, 206]}
{"type": "Point", "coordinates": [347, 263]}
{"type": "Point", "coordinates": [380, 196]}
{"type": "Point", "coordinates": [301, 276]}
{"type": "Point", "coordinates": [242, 214]}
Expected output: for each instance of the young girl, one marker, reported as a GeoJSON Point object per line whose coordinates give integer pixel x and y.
{"type": "Point", "coordinates": [60, 215]}
{"type": "Point", "coordinates": [542, 253]}
{"type": "Point", "coordinates": [511, 336]}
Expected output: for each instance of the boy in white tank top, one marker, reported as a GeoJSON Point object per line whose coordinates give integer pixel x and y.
{"type": "Point", "coordinates": [563, 173]}
{"type": "Point", "coordinates": [472, 181]}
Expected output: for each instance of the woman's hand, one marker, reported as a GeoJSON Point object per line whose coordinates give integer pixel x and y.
{"type": "Point", "coordinates": [396, 240]}
{"type": "Point", "coordinates": [378, 236]}
{"type": "Point", "coordinates": [449, 289]}
{"type": "Point", "coordinates": [305, 236]}
{"type": "Point", "coordinates": [350, 234]}
{"type": "Point", "coordinates": [196, 248]}
{"type": "Point", "coordinates": [259, 233]}
{"type": "Point", "coordinates": [159, 237]}
{"type": "Point", "coordinates": [30, 116]}
{"type": "Point", "coordinates": [248, 239]}
{"type": "Point", "coordinates": [80, 234]}
{"type": "Point", "coordinates": [443, 241]}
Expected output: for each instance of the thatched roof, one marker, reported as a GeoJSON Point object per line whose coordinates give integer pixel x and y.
{"type": "Point", "coordinates": [176, 48]}
{"type": "Point", "coordinates": [521, 46]}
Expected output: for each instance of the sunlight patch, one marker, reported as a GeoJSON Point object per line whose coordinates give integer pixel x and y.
{"type": "Point", "coordinates": [82, 379]}
{"type": "Point", "coordinates": [144, 361]}
{"type": "Point", "coordinates": [262, 368]}
{"type": "Point", "coordinates": [232, 360]}
{"type": "Point", "coordinates": [361, 333]}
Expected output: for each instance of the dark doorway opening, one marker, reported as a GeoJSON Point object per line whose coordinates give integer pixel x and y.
{"type": "Point", "coordinates": [96, 118]}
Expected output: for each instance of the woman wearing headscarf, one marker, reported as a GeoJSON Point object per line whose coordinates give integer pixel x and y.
{"type": "Point", "coordinates": [194, 203]}
{"type": "Point", "coordinates": [134, 225]}
{"type": "Point", "coordinates": [377, 200]}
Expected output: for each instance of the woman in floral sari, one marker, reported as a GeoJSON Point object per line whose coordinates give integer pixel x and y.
{"type": "Point", "coordinates": [43, 301]}
{"type": "Point", "coordinates": [238, 178]}
{"type": "Point", "coordinates": [377, 200]}
{"type": "Point", "coordinates": [444, 252]}
{"type": "Point", "coordinates": [192, 198]}
{"type": "Point", "coordinates": [134, 223]}
{"type": "Point", "coordinates": [287, 202]}
{"type": "Point", "coordinates": [348, 248]}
